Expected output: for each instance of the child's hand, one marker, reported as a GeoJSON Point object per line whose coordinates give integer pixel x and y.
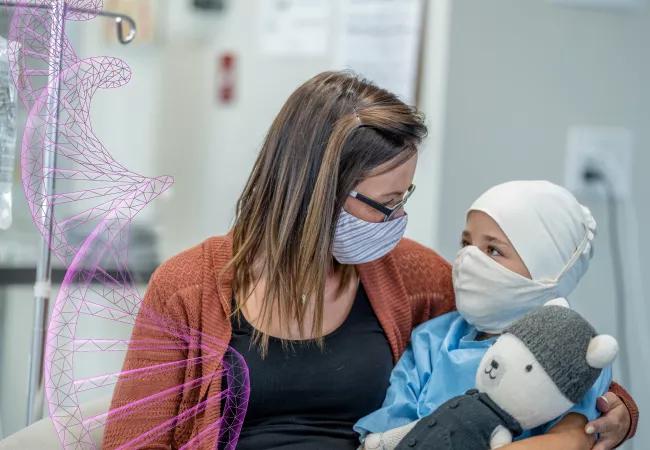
{"type": "Point", "coordinates": [387, 440]}
{"type": "Point", "coordinates": [373, 442]}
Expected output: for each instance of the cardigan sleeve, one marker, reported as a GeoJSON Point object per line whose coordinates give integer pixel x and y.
{"type": "Point", "coordinates": [148, 392]}
{"type": "Point", "coordinates": [631, 405]}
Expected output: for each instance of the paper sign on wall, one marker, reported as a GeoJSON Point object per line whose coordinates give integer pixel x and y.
{"type": "Point", "coordinates": [381, 39]}
{"type": "Point", "coordinates": [294, 27]}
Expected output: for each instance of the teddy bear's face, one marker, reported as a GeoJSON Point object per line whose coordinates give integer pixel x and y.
{"type": "Point", "coordinates": [511, 376]}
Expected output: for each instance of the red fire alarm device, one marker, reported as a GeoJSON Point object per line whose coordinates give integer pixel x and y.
{"type": "Point", "coordinates": [227, 78]}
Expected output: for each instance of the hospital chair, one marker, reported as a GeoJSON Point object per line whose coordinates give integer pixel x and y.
{"type": "Point", "coordinates": [42, 435]}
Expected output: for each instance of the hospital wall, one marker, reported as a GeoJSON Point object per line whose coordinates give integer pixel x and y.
{"type": "Point", "coordinates": [502, 81]}
{"type": "Point", "coordinates": [520, 73]}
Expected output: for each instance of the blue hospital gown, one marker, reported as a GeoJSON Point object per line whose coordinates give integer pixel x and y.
{"type": "Point", "coordinates": [440, 363]}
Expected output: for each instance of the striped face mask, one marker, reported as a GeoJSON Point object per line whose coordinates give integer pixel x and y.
{"type": "Point", "coordinates": [357, 241]}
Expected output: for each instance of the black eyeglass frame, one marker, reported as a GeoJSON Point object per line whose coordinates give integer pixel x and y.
{"type": "Point", "coordinates": [385, 210]}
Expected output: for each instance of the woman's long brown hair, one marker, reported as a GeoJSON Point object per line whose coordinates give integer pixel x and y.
{"type": "Point", "coordinates": [332, 132]}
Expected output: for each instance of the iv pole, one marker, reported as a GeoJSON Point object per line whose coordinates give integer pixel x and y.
{"type": "Point", "coordinates": [42, 286]}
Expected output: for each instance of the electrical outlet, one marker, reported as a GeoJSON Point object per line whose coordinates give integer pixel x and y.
{"type": "Point", "coordinates": [604, 150]}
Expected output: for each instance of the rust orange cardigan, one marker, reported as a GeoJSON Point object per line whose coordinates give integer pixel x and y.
{"type": "Point", "coordinates": [408, 286]}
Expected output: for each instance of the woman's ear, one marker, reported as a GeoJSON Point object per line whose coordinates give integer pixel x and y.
{"type": "Point", "coordinates": [602, 351]}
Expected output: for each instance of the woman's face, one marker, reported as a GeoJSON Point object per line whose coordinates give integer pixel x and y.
{"type": "Point", "coordinates": [387, 188]}
{"type": "Point", "coordinates": [483, 232]}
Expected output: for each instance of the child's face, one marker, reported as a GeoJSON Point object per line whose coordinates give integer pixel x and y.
{"type": "Point", "coordinates": [483, 232]}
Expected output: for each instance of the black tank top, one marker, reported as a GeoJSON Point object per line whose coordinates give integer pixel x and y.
{"type": "Point", "coordinates": [304, 398]}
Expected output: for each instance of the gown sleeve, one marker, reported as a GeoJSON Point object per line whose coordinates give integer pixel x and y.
{"type": "Point", "coordinates": [407, 379]}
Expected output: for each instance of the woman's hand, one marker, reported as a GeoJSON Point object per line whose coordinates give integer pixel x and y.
{"type": "Point", "coordinates": [613, 426]}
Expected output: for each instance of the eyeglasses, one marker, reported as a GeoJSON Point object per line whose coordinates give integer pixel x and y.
{"type": "Point", "coordinates": [387, 211]}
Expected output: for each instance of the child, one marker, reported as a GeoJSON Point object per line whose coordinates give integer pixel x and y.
{"type": "Point", "coordinates": [525, 243]}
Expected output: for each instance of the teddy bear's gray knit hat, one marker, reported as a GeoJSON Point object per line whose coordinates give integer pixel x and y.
{"type": "Point", "coordinates": [559, 337]}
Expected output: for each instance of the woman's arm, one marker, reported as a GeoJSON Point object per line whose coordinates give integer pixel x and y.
{"type": "Point", "coordinates": [567, 434]}
{"type": "Point", "coordinates": [148, 391]}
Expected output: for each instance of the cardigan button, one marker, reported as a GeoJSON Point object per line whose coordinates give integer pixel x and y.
{"type": "Point", "coordinates": [432, 423]}
{"type": "Point", "coordinates": [412, 442]}
{"type": "Point", "coordinates": [454, 404]}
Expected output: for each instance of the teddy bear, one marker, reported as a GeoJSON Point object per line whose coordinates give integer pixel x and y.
{"type": "Point", "coordinates": [534, 372]}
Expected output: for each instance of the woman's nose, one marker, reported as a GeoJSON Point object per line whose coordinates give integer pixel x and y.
{"type": "Point", "coordinates": [397, 214]}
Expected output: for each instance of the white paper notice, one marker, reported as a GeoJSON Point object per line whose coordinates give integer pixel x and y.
{"type": "Point", "coordinates": [294, 27]}
{"type": "Point", "coordinates": [381, 40]}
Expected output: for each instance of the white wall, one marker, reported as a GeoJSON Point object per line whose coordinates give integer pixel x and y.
{"type": "Point", "coordinates": [520, 73]}
{"type": "Point", "coordinates": [210, 148]}
{"type": "Point", "coordinates": [16, 313]}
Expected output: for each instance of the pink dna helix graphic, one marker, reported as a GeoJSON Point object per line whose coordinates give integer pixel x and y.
{"type": "Point", "coordinates": [98, 298]}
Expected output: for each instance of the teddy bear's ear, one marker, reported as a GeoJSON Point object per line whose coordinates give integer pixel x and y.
{"type": "Point", "coordinates": [560, 301]}
{"type": "Point", "coordinates": [602, 351]}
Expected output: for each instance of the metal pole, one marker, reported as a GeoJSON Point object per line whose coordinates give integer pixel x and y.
{"type": "Point", "coordinates": [120, 19]}
{"type": "Point", "coordinates": [43, 284]}
{"type": "Point", "coordinates": [44, 266]}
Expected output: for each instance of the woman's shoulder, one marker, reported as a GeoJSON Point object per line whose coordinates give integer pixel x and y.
{"type": "Point", "coordinates": [178, 272]}
{"type": "Point", "coordinates": [426, 277]}
{"type": "Point", "coordinates": [413, 255]}
{"type": "Point", "coordinates": [440, 325]}
{"type": "Point", "coordinates": [422, 269]}
{"type": "Point", "coordinates": [189, 267]}
{"type": "Point", "coordinates": [409, 250]}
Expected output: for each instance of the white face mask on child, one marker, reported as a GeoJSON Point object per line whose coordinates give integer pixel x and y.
{"type": "Point", "coordinates": [491, 297]}
{"type": "Point", "coordinates": [551, 232]}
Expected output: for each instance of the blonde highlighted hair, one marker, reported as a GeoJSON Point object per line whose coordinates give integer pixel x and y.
{"type": "Point", "coordinates": [331, 133]}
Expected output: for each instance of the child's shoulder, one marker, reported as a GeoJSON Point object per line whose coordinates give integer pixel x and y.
{"type": "Point", "coordinates": [441, 326]}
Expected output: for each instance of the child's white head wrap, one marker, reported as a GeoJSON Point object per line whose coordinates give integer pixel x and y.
{"type": "Point", "coordinates": [549, 228]}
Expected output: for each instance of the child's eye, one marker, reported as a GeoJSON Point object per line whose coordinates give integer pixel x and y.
{"type": "Point", "coordinates": [493, 251]}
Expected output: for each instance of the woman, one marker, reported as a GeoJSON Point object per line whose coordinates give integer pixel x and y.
{"type": "Point", "coordinates": [315, 255]}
